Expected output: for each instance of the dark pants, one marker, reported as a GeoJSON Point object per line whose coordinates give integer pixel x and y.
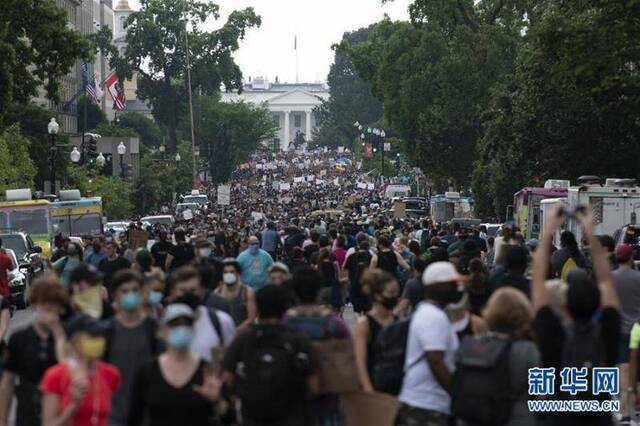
{"type": "Point", "coordinates": [273, 255]}
{"type": "Point", "coordinates": [414, 416]}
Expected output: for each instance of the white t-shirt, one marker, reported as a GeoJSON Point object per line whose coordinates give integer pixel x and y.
{"type": "Point", "coordinates": [205, 337]}
{"type": "Point", "coordinates": [430, 330]}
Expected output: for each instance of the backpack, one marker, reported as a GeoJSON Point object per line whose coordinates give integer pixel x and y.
{"type": "Point", "coordinates": [481, 390]}
{"type": "Point", "coordinates": [272, 372]}
{"type": "Point", "coordinates": [363, 262]}
{"type": "Point", "coordinates": [390, 348]}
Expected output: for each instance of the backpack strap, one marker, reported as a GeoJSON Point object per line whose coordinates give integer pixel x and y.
{"type": "Point", "coordinates": [215, 321]}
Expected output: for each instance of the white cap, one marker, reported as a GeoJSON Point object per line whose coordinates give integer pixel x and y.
{"type": "Point", "coordinates": [177, 310]}
{"type": "Point", "coordinates": [440, 272]}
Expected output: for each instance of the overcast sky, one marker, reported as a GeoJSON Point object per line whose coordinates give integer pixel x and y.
{"type": "Point", "coordinates": [268, 50]}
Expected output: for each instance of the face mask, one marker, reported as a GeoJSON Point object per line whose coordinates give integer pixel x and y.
{"type": "Point", "coordinates": [229, 278]}
{"type": "Point", "coordinates": [462, 303]}
{"type": "Point", "coordinates": [130, 302]}
{"type": "Point", "coordinates": [154, 297]}
{"type": "Point", "coordinates": [93, 347]}
{"type": "Point", "coordinates": [253, 249]}
{"type": "Point", "coordinates": [205, 252]}
{"type": "Point", "coordinates": [389, 302]}
{"type": "Point", "coordinates": [180, 337]}
{"type": "Point", "coordinates": [454, 297]}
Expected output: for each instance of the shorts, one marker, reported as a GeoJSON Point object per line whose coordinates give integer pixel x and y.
{"type": "Point", "coordinates": [624, 353]}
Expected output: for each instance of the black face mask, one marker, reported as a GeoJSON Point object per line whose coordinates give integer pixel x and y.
{"type": "Point", "coordinates": [454, 296]}
{"type": "Point", "coordinates": [389, 302]}
{"type": "Point", "coordinates": [190, 299]}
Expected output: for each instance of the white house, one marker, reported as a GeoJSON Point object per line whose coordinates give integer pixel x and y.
{"type": "Point", "coordinates": [291, 104]}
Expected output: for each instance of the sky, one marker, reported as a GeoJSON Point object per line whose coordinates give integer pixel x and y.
{"type": "Point", "coordinates": [317, 24]}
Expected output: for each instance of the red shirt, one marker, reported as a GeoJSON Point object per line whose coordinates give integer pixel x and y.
{"type": "Point", "coordinates": [97, 402]}
{"type": "Point", "coordinates": [5, 266]}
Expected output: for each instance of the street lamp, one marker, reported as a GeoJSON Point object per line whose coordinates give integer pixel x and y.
{"type": "Point", "coordinates": [52, 129]}
{"type": "Point", "coordinates": [382, 134]}
{"type": "Point", "coordinates": [100, 160]}
{"type": "Point", "coordinates": [178, 158]}
{"type": "Point", "coordinates": [162, 150]}
{"type": "Point", "coordinates": [122, 149]}
{"type": "Point", "coordinates": [75, 155]}
{"type": "Point", "coordinates": [356, 124]}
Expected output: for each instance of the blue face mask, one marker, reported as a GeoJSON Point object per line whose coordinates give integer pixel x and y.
{"type": "Point", "coordinates": [130, 302]}
{"type": "Point", "coordinates": [154, 297]}
{"type": "Point", "coordinates": [253, 249]}
{"type": "Point", "coordinates": [180, 337]}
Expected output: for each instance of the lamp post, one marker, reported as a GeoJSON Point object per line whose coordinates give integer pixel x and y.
{"type": "Point", "coordinates": [53, 128]}
{"type": "Point", "coordinates": [75, 155]}
{"type": "Point", "coordinates": [162, 150]}
{"type": "Point", "coordinates": [382, 134]}
{"type": "Point", "coordinates": [122, 149]}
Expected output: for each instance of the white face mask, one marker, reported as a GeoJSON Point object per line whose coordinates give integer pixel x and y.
{"type": "Point", "coordinates": [229, 278]}
{"type": "Point", "coordinates": [205, 252]}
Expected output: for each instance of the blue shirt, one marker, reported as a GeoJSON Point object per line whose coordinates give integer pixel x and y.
{"type": "Point", "coordinates": [254, 268]}
{"type": "Point", "coordinates": [92, 258]}
{"type": "Point", "coordinates": [270, 238]}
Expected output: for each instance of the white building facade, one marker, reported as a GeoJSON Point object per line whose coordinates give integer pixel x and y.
{"type": "Point", "coordinates": [291, 105]}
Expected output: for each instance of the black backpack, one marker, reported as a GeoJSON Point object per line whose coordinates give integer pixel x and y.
{"type": "Point", "coordinates": [390, 350]}
{"type": "Point", "coordinates": [481, 391]}
{"type": "Point", "coordinates": [272, 372]}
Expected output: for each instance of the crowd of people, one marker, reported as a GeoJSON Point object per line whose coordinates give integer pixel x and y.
{"type": "Point", "coordinates": [229, 317]}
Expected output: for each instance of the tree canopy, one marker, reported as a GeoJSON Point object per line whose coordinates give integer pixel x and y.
{"type": "Point", "coordinates": [155, 49]}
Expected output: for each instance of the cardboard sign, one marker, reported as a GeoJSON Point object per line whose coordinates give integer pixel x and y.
{"type": "Point", "coordinates": [323, 172]}
{"type": "Point", "coordinates": [298, 179]}
{"type": "Point", "coordinates": [138, 238]}
{"type": "Point", "coordinates": [399, 210]}
{"type": "Point", "coordinates": [371, 409]}
{"type": "Point", "coordinates": [224, 195]}
{"type": "Point", "coordinates": [340, 149]}
{"type": "Point", "coordinates": [336, 181]}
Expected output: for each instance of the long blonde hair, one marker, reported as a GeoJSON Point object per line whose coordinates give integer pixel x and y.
{"type": "Point", "coordinates": [509, 311]}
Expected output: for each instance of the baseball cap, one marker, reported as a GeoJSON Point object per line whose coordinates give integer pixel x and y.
{"type": "Point", "coordinates": [279, 266]}
{"type": "Point", "coordinates": [624, 252]}
{"type": "Point", "coordinates": [177, 310]}
{"type": "Point", "coordinates": [440, 272]}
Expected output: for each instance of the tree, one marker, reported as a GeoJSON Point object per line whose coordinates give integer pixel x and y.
{"type": "Point", "coordinates": [575, 91]}
{"type": "Point", "coordinates": [95, 116]}
{"type": "Point", "coordinates": [156, 51]}
{"type": "Point", "coordinates": [149, 131]}
{"type": "Point", "coordinates": [115, 193]}
{"type": "Point", "coordinates": [156, 183]}
{"type": "Point", "coordinates": [435, 75]}
{"type": "Point", "coordinates": [229, 132]}
{"type": "Point", "coordinates": [37, 48]}
{"type": "Point", "coordinates": [18, 170]}
{"type": "Point", "coordinates": [350, 99]}
{"type": "Point", "coordinates": [33, 121]}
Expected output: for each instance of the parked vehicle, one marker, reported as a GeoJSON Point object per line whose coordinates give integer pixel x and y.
{"type": "Point", "coordinates": [165, 220]}
{"type": "Point", "coordinates": [526, 205]}
{"type": "Point", "coordinates": [196, 197]}
{"type": "Point", "coordinates": [74, 215]}
{"type": "Point", "coordinates": [450, 205]}
{"type": "Point", "coordinates": [549, 207]}
{"type": "Point", "coordinates": [630, 234]}
{"type": "Point", "coordinates": [492, 228]}
{"type": "Point", "coordinates": [20, 279]}
{"type": "Point", "coordinates": [396, 190]}
{"type": "Point", "coordinates": [416, 207]}
{"type": "Point", "coordinates": [19, 213]}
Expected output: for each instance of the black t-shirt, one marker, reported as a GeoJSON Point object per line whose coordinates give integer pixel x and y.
{"type": "Point", "coordinates": [503, 278]}
{"type": "Point", "coordinates": [110, 267]}
{"type": "Point", "coordinates": [182, 253]}
{"type": "Point", "coordinates": [159, 252]}
{"type": "Point", "coordinates": [413, 292]}
{"type": "Point", "coordinates": [296, 414]}
{"type": "Point", "coordinates": [28, 357]}
{"type": "Point", "coordinates": [309, 250]}
{"type": "Point", "coordinates": [164, 404]}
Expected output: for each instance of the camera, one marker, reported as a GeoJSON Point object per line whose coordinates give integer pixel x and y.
{"type": "Point", "coordinates": [572, 211]}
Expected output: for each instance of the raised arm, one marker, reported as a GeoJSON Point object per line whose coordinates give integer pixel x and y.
{"type": "Point", "coordinates": [539, 294]}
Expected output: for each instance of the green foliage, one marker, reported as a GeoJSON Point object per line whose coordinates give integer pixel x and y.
{"type": "Point", "coordinates": [115, 193]}
{"type": "Point", "coordinates": [572, 106]}
{"type": "Point", "coordinates": [350, 100]}
{"type": "Point", "coordinates": [155, 184]}
{"type": "Point", "coordinates": [37, 48]}
{"type": "Point", "coordinates": [106, 129]}
{"type": "Point", "coordinates": [33, 121]}
{"type": "Point", "coordinates": [95, 116]}
{"type": "Point", "coordinates": [149, 131]}
{"type": "Point", "coordinates": [18, 170]}
{"type": "Point", "coordinates": [156, 50]}
{"type": "Point", "coordinates": [228, 133]}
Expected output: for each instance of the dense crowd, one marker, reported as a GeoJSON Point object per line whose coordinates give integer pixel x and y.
{"type": "Point", "coordinates": [237, 315]}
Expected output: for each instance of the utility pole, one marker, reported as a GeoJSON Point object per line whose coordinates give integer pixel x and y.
{"type": "Point", "coordinates": [193, 135]}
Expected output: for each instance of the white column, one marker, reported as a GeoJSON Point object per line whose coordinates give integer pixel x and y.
{"type": "Point", "coordinates": [308, 126]}
{"type": "Point", "coordinates": [284, 143]}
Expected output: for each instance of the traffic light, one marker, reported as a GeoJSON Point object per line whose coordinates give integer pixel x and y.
{"type": "Point", "coordinates": [127, 172]}
{"type": "Point", "coordinates": [90, 146]}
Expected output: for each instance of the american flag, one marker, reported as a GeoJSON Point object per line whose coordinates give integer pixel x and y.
{"type": "Point", "coordinates": [91, 87]}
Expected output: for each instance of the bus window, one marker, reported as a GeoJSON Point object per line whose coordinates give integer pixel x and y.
{"type": "Point", "coordinates": [32, 221]}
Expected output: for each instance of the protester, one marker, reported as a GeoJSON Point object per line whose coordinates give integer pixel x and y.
{"type": "Point", "coordinates": [431, 346]}
{"type": "Point", "coordinates": [383, 291]}
{"type": "Point", "coordinates": [512, 273]}
{"type": "Point", "coordinates": [131, 337]}
{"type": "Point", "coordinates": [79, 389]}
{"type": "Point", "coordinates": [160, 249]}
{"type": "Point", "coordinates": [180, 254]}
{"type": "Point", "coordinates": [177, 388]}
{"type": "Point", "coordinates": [239, 298]}
{"type": "Point", "coordinates": [319, 324]}
{"type": "Point", "coordinates": [254, 263]}
{"type": "Point", "coordinates": [272, 387]}
{"type": "Point", "coordinates": [271, 241]}
{"type": "Point", "coordinates": [356, 264]}
{"type": "Point", "coordinates": [112, 263]}
{"type": "Point", "coordinates": [31, 351]}
{"type": "Point", "coordinates": [94, 253]}
{"type": "Point", "coordinates": [67, 263]}
{"type": "Point", "coordinates": [567, 257]}
{"type": "Point", "coordinates": [88, 296]}
{"type": "Point", "coordinates": [278, 273]}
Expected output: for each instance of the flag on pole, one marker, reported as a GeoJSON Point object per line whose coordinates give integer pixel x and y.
{"type": "Point", "coordinates": [85, 74]}
{"type": "Point", "coordinates": [116, 91]}
{"type": "Point", "coordinates": [94, 91]}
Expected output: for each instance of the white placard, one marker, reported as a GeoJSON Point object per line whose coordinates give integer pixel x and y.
{"type": "Point", "coordinates": [285, 186]}
{"type": "Point", "coordinates": [336, 181]}
{"type": "Point", "coordinates": [340, 149]}
{"type": "Point", "coordinates": [387, 146]}
{"type": "Point", "coordinates": [361, 185]}
{"type": "Point", "coordinates": [371, 186]}
{"type": "Point", "coordinates": [323, 172]}
{"type": "Point", "coordinates": [187, 214]}
{"type": "Point", "coordinates": [319, 182]}
{"type": "Point", "coordinates": [224, 195]}
{"type": "Point", "coordinates": [258, 166]}
{"type": "Point", "coordinates": [298, 179]}
{"type": "Point", "coordinates": [310, 178]}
